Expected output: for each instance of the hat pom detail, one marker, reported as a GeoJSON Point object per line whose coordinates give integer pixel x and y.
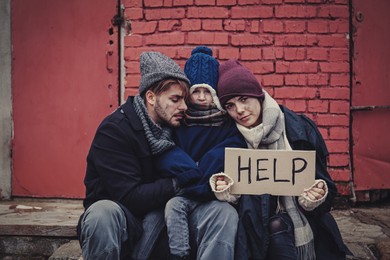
{"type": "Point", "coordinates": [202, 49]}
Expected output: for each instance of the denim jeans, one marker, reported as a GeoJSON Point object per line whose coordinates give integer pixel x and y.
{"type": "Point", "coordinates": [212, 226]}
{"type": "Point", "coordinates": [282, 243]}
{"type": "Point", "coordinates": [177, 213]}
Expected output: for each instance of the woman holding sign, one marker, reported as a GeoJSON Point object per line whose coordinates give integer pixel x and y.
{"type": "Point", "coordinates": [277, 227]}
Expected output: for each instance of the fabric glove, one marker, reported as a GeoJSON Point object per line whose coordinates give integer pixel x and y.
{"type": "Point", "coordinates": [308, 204]}
{"type": "Point", "coordinates": [223, 195]}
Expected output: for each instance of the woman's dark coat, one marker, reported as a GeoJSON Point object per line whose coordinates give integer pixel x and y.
{"type": "Point", "coordinates": [254, 211]}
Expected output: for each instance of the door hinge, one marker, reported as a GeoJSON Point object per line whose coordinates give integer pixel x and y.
{"type": "Point", "coordinates": [117, 20]}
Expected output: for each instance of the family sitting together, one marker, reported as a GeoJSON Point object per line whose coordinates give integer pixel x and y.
{"type": "Point", "coordinates": [155, 182]}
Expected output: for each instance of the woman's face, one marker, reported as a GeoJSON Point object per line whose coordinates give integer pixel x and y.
{"type": "Point", "coordinates": [245, 110]}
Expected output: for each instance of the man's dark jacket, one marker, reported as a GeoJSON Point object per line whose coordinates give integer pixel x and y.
{"type": "Point", "coordinates": [254, 211]}
{"type": "Point", "coordinates": [120, 168]}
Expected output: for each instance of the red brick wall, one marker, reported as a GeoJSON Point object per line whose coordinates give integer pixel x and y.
{"type": "Point", "coordinates": [298, 49]}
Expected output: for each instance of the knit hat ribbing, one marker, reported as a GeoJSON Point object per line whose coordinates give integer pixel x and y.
{"type": "Point", "coordinates": [202, 67]}
{"type": "Point", "coordinates": [236, 80]}
{"type": "Point", "coordinates": [155, 67]}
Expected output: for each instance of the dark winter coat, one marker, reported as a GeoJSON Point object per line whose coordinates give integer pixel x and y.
{"type": "Point", "coordinates": [254, 211]}
{"type": "Point", "coordinates": [206, 147]}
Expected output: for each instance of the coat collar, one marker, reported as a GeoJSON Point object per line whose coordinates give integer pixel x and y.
{"type": "Point", "coordinates": [128, 110]}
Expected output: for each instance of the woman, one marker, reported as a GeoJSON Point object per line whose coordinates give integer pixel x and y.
{"type": "Point", "coordinates": [277, 227]}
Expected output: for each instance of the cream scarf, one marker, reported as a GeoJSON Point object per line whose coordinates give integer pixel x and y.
{"type": "Point", "coordinates": [271, 134]}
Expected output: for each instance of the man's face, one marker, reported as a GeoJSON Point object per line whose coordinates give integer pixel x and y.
{"type": "Point", "coordinates": [169, 106]}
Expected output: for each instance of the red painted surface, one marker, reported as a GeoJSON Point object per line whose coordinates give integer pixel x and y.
{"type": "Point", "coordinates": [62, 89]}
{"type": "Point", "coordinates": [370, 87]}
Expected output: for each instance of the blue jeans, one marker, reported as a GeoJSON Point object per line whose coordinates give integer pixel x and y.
{"type": "Point", "coordinates": [177, 212]}
{"type": "Point", "coordinates": [282, 241]}
{"type": "Point", "coordinates": [213, 227]}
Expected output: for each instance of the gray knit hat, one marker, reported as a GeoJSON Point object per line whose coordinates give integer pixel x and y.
{"type": "Point", "coordinates": [155, 67]}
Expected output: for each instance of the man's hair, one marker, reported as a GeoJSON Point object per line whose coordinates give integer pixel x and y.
{"type": "Point", "coordinates": [164, 85]}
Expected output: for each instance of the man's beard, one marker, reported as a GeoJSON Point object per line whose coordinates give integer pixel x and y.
{"type": "Point", "coordinates": [163, 117]}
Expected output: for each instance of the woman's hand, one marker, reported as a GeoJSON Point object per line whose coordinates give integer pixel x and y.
{"type": "Point", "coordinates": [314, 196]}
{"type": "Point", "coordinates": [316, 192]}
{"type": "Point", "coordinates": [221, 184]}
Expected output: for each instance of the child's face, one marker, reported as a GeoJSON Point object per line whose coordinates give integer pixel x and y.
{"type": "Point", "coordinates": [201, 96]}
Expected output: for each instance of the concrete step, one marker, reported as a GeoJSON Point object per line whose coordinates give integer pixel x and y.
{"type": "Point", "coordinates": [37, 228]}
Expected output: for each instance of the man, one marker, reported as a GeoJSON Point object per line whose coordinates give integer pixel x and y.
{"type": "Point", "coordinates": [125, 194]}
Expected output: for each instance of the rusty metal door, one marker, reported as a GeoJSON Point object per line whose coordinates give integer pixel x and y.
{"type": "Point", "coordinates": [64, 82]}
{"type": "Point", "coordinates": [371, 96]}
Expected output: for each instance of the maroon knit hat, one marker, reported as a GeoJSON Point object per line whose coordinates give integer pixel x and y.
{"type": "Point", "coordinates": [236, 80]}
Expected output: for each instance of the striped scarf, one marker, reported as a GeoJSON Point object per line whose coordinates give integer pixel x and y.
{"type": "Point", "coordinates": [159, 138]}
{"type": "Point", "coordinates": [204, 116]}
{"type": "Point", "coordinates": [270, 134]}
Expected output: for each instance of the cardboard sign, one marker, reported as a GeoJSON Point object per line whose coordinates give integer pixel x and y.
{"type": "Point", "coordinates": [270, 171]}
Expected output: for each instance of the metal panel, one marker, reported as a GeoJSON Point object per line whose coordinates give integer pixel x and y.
{"type": "Point", "coordinates": [371, 95]}
{"type": "Point", "coordinates": [64, 81]}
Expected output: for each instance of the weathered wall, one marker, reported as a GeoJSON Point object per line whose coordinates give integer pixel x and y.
{"type": "Point", "coordinates": [298, 49]}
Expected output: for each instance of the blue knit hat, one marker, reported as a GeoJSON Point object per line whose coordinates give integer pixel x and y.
{"type": "Point", "coordinates": [202, 70]}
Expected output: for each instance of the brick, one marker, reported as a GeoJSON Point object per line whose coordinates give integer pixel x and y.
{"type": "Point", "coordinates": [133, 40]}
{"type": "Point", "coordinates": [132, 67]}
{"type": "Point", "coordinates": [340, 175]}
{"type": "Point", "coordinates": [296, 67]}
{"type": "Point", "coordinates": [260, 67]}
{"type": "Point", "coordinates": [205, 2]}
{"type": "Point", "coordinates": [255, 27]}
{"type": "Point", "coordinates": [132, 3]}
{"type": "Point", "coordinates": [318, 26]}
{"type": "Point", "coordinates": [132, 80]}
{"type": "Point", "coordinates": [207, 12]}
{"type": "Point", "coordinates": [130, 91]}
{"type": "Point", "coordinates": [318, 106]}
{"type": "Point", "coordinates": [339, 107]}
{"type": "Point", "coordinates": [339, 26]}
{"type": "Point", "coordinates": [228, 53]}
{"type": "Point", "coordinates": [317, 79]}
{"type": "Point", "coordinates": [272, 26]}
{"type": "Point", "coordinates": [337, 67]}
{"type": "Point", "coordinates": [291, 40]}
{"type": "Point", "coordinates": [338, 160]}
{"type": "Point", "coordinates": [295, 93]}
{"type": "Point", "coordinates": [294, 26]}
{"type": "Point", "coordinates": [340, 80]}
{"type": "Point", "coordinates": [295, 11]}
{"type": "Point", "coordinates": [168, 3]}
{"type": "Point", "coordinates": [212, 25]}
{"type": "Point", "coordinates": [324, 132]}
{"type": "Point", "coordinates": [164, 13]}
{"type": "Point", "coordinates": [344, 189]}
{"type": "Point", "coordinates": [226, 2]}
{"type": "Point", "coordinates": [272, 53]}
{"type": "Point", "coordinates": [339, 133]}
{"type": "Point", "coordinates": [294, 1]}
{"type": "Point", "coordinates": [339, 54]}
{"type": "Point", "coordinates": [332, 120]}
{"type": "Point", "coordinates": [251, 40]}
{"type": "Point", "coordinates": [134, 13]}
{"type": "Point", "coordinates": [250, 54]}
{"type": "Point", "coordinates": [185, 52]}
{"type": "Point", "coordinates": [338, 146]}
{"type": "Point", "coordinates": [295, 80]}
{"type": "Point", "coordinates": [272, 80]}
{"type": "Point", "coordinates": [271, 2]}
{"type": "Point", "coordinates": [334, 11]}
{"type": "Point", "coordinates": [248, 2]}
{"type": "Point", "coordinates": [153, 3]}
{"type": "Point", "coordinates": [335, 93]}
{"type": "Point", "coordinates": [168, 25]}
{"type": "Point", "coordinates": [143, 27]}
{"type": "Point", "coordinates": [258, 12]}
{"type": "Point", "coordinates": [336, 40]}
{"type": "Point", "coordinates": [208, 38]}
{"type": "Point", "coordinates": [317, 54]}
{"type": "Point", "coordinates": [191, 25]}
{"type": "Point", "coordinates": [165, 39]}
{"type": "Point", "coordinates": [294, 54]}
{"type": "Point", "coordinates": [234, 25]}
{"type": "Point", "coordinates": [182, 2]}
{"type": "Point", "coordinates": [298, 106]}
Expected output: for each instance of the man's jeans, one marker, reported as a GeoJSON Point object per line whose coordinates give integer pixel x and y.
{"type": "Point", "coordinates": [213, 227]}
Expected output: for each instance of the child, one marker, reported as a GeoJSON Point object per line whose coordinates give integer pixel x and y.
{"type": "Point", "coordinates": [204, 136]}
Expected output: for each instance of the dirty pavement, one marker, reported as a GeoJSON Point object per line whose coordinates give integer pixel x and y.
{"type": "Point", "coordinates": [46, 229]}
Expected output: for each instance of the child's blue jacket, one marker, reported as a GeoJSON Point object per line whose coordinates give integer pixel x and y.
{"type": "Point", "coordinates": [200, 152]}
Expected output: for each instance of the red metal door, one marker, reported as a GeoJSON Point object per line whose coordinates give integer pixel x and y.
{"type": "Point", "coordinates": [371, 96]}
{"type": "Point", "coordinates": [64, 81]}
